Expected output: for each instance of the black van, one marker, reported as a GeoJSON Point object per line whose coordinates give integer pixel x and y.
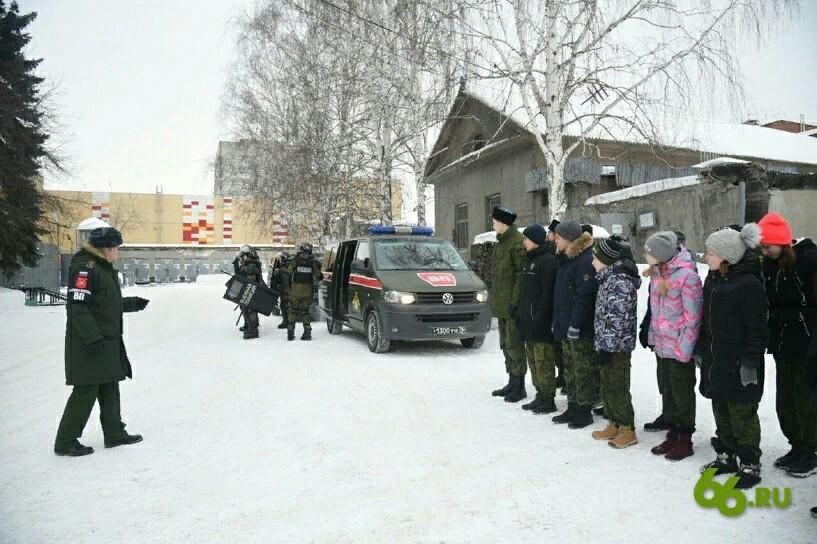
{"type": "Point", "coordinates": [401, 283]}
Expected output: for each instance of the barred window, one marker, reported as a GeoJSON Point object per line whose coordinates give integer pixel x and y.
{"type": "Point", "coordinates": [490, 203]}
{"type": "Point", "coordinates": [461, 226]}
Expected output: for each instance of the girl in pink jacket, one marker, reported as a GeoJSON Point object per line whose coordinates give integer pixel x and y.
{"type": "Point", "coordinates": [676, 303]}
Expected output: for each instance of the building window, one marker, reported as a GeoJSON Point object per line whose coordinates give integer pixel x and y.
{"type": "Point", "coordinates": [544, 196]}
{"type": "Point", "coordinates": [461, 226]}
{"type": "Point", "coordinates": [490, 203]}
{"type": "Point", "coordinates": [478, 142]}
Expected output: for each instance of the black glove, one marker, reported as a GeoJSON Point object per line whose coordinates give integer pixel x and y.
{"type": "Point", "coordinates": [140, 303]}
{"type": "Point", "coordinates": [515, 312]}
{"type": "Point", "coordinates": [644, 336]}
{"type": "Point", "coordinates": [95, 348]}
{"type": "Point", "coordinates": [604, 357]}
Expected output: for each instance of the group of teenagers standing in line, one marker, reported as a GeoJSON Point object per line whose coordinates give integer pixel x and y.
{"type": "Point", "coordinates": [560, 294]}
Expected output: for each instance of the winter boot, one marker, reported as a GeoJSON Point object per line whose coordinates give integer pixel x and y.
{"type": "Point", "coordinates": [682, 448]}
{"type": "Point", "coordinates": [284, 324]}
{"type": "Point", "coordinates": [566, 416]}
{"type": "Point", "coordinates": [250, 333]}
{"type": "Point", "coordinates": [547, 406]}
{"type": "Point", "coordinates": [748, 474]}
{"type": "Point", "coordinates": [534, 403]}
{"type": "Point", "coordinates": [74, 450]}
{"type": "Point", "coordinates": [814, 512]}
{"type": "Point", "coordinates": [505, 390]}
{"type": "Point", "coordinates": [609, 432]}
{"type": "Point", "coordinates": [518, 392]}
{"type": "Point", "coordinates": [242, 328]}
{"type": "Point", "coordinates": [666, 445]}
{"type": "Point", "coordinates": [785, 461]}
{"type": "Point", "coordinates": [726, 462]}
{"type": "Point", "coordinates": [307, 335]}
{"type": "Point", "coordinates": [626, 437]}
{"type": "Point", "coordinates": [583, 417]}
{"type": "Point", "coordinates": [124, 441]}
{"type": "Point", "coordinates": [290, 334]}
{"type": "Point", "coordinates": [658, 425]}
{"type": "Point", "coordinates": [804, 466]}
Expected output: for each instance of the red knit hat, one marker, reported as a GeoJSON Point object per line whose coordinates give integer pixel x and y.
{"type": "Point", "coordinates": [775, 230]}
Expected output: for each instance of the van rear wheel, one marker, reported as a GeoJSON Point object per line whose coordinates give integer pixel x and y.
{"type": "Point", "coordinates": [475, 342]}
{"type": "Point", "coordinates": [377, 341]}
{"type": "Point", "coordinates": [333, 325]}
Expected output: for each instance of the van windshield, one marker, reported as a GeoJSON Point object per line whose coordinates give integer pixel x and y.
{"type": "Point", "coordinates": [417, 254]}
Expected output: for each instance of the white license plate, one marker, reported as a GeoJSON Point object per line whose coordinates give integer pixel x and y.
{"type": "Point", "coordinates": [442, 331]}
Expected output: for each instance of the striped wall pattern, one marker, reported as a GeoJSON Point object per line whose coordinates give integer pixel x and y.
{"type": "Point", "coordinates": [228, 220]}
{"type": "Point", "coordinates": [198, 220]}
{"type": "Point", "coordinates": [100, 206]}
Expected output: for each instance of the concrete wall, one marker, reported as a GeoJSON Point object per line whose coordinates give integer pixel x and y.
{"type": "Point", "coordinates": [799, 207]}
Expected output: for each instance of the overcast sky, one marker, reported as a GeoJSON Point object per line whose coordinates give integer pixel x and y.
{"type": "Point", "coordinates": [140, 86]}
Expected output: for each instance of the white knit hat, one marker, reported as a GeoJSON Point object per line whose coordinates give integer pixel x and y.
{"type": "Point", "coordinates": [730, 245]}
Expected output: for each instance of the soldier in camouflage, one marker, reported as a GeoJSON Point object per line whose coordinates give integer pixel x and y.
{"type": "Point", "coordinates": [303, 271]}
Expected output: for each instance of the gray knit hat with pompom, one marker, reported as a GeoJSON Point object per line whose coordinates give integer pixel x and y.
{"type": "Point", "coordinates": [730, 245]}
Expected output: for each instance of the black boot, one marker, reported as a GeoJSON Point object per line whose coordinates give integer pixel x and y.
{"type": "Point", "coordinates": [250, 333]}
{"type": "Point", "coordinates": [124, 441]}
{"type": "Point", "coordinates": [242, 328]}
{"type": "Point", "coordinates": [547, 406]}
{"type": "Point", "coordinates": [804, 466]}
{"type": "Point", "coordinates": [727, 461]}
{"type": "Point", "coordinates": [599, 410]}
{"type": "Point", "coordinates": [307, 335]}
{"type": "Point", "coordinates": [505, 390]}
{"type": "Point", "coordinates": [748, 475]}
{"type": "Point", "coordinates": [74, 450]}
{"type": "Point", "coordinates": [284, 324]}
{"type": "Point", "coordinates": [583, 417]}
{"type": "Point", "coordinates": [658, 425]}
{"type": "Point", "coordinates": [537, 400]}
{"type": "Point", "coordinates": [566, 416]}
{"type": "Point", "coordinates": [518, 392]}
{"type": "Point", "coordinates": [290, 334]}
{"type": "Point", "coordinates": [786, 461]}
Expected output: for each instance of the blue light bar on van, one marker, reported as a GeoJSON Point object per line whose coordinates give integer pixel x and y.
{"type": "Point", "coordinates": [416, 231]}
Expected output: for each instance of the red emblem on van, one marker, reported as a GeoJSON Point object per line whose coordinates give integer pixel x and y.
{"type": "Point", "coordinates": [438, 279]}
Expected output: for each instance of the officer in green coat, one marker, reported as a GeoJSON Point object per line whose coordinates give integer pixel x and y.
{"type": "Point", "coordinates": [95, 356]}
{"type": "Point", "coordinates": [506, 291]}
{"type": "Point", "coordinates": [302, 271]}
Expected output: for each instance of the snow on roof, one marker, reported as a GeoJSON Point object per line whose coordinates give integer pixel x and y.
{"type": "Point", "coordinates": [642, 190]}
{"type": "Point", "coordinates": [490, 236]}
{"type": "Point", "coordinates": [92, 223]}
{"type": "Point", "coordinates": [732, 139]}
{"type": "Point", "coordinates": [717, 162]}
{"type": "Point", "coordinates": [475, 154]}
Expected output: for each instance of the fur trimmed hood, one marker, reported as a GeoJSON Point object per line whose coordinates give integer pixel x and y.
{"type": "Point", "coordinates": [579, 245]}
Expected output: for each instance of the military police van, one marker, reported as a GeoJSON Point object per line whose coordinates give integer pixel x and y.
{"type": "Point", "coordinates": [401, 283]}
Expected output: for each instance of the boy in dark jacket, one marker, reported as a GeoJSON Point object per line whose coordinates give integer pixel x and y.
{"type": "Point", "coordinates": [615, 324]}
{"type": "Point", "coordinates": [731, 348]}
{"type": "Point", "coordinates": [574, 302]}
{"type": "Point", "coordinates": [790, 276]}
{"type": "Point", "coordinates": [534, 316]}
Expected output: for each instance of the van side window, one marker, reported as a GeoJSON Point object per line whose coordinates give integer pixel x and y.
{"type": "Point", "coordinates": [362, 251]}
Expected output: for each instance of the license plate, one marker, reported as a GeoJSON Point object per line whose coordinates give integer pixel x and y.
{"type": "Point", "coordinates": [442, 331]}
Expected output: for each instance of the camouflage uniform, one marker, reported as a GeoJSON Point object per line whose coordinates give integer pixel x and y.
{"type": "Point", "coordinates": [540, 359]}
{"type": "Point", "coordinates": [303, 271]}
{"type": "Point", "coordinates": [580, 373]}
{"type": "Point", "coordinates": [738, 427]}
{"type": "Point", "coordinates": [509, 258]}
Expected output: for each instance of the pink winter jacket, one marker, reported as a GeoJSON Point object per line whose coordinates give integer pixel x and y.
{"type": "Point", "coordinates": [676, 316]}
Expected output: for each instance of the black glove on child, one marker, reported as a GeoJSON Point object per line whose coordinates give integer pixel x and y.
{"type": "Point", "coordinates": [140, 303]}
{"type": "Point", "coordinates": [644, 336]}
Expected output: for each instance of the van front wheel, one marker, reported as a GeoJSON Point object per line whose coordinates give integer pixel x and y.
{"type": "Point", "coordinates": [378, 343]}
{"type": "Point", "coordinates": [475, 342]}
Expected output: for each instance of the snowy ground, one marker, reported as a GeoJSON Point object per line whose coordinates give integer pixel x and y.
{"type": "Point", "coordinates": [276, 441]}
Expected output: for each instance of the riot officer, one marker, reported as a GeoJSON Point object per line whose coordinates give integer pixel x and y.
{"type": "Point", "coordinates": [248, 265]}
{"type": "Point", "coordinates": [280, 285]}
{"type": "Point", "coordinates": [303, 270]}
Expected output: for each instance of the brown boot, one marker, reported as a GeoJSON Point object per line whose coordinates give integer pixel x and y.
{"type": "Point", "coordinates": [682, 448]}
{"type": "Point", "coordinates": [608, 433]}
{"type": "Point", "coordinates": [668, 444]}
{"type": "Point", "coordinates": [625, 437]}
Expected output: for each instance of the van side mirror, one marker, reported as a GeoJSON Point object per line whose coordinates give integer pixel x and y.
{"type": "Point", "coordinates": [359, 265]}
{"type": "Point", "coordinates": [472, 265]}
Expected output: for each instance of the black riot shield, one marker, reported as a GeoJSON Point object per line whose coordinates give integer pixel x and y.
{"type": "Point", "coordinates": [255, 296]}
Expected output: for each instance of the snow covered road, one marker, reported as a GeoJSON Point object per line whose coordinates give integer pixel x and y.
{"type": "Point", "coordinates": [276, 441]}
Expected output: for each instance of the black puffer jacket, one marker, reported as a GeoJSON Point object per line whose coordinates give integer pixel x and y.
{"type": "Point", "coordinates": [535, 312]}
{"type": "Point", "coordinates": [733, 332]}
{"type": "Point", "coordinates": [792, 301]}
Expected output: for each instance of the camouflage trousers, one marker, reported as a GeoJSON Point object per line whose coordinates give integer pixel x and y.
{"type": "Point", "coordinates": [797, 417]}
{"type": "Point", "coordinates": [512, 347]}
{"type": "Point", "coordinates": [299, 311]}
{"type": "Point", "coordinates": [580, 374]}
{"type": "Point", "coordinates": [615, 389]}
{"type": "Point", "coordinates": [738, 427]}
{"type": "Point", "coordinates": [542, 363]}
{"type": "Point", "coordinates": [678, 386]}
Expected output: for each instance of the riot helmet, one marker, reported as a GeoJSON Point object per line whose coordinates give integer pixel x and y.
{"type": "Point", "coordinates": [306, 247]}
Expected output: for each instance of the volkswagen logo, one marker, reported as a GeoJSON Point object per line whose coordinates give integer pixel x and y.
{"type": "Point", "coordinates": [448, 298]}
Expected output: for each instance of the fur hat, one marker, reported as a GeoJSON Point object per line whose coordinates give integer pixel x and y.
{"type": "Point", "coordinates": [608, 250]}
{"type": "Point", "coordinates": [553, 225]}
{"type": "Point", "coordinates": [588, 228]}
{"type": "Point", "coordinates": [536, 234]}
{"type": "Point", "coordinates": [775, 230]}
{"type": "Point", "coordinates": [570, 230]}
{"type": "Point", "coordinates": [682, 238]}
{"type": "Point", "coordinates": [503, 215]}
{"type": "Point", "coordinates": [730, 245]}
{"type": "Point", "coordinates": [105, 237]}
{"type": "Point", "coordinates": [662, 245]}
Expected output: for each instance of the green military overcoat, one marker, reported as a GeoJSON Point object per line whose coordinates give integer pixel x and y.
{"type": "Point", "coordinates": [506, 280]}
